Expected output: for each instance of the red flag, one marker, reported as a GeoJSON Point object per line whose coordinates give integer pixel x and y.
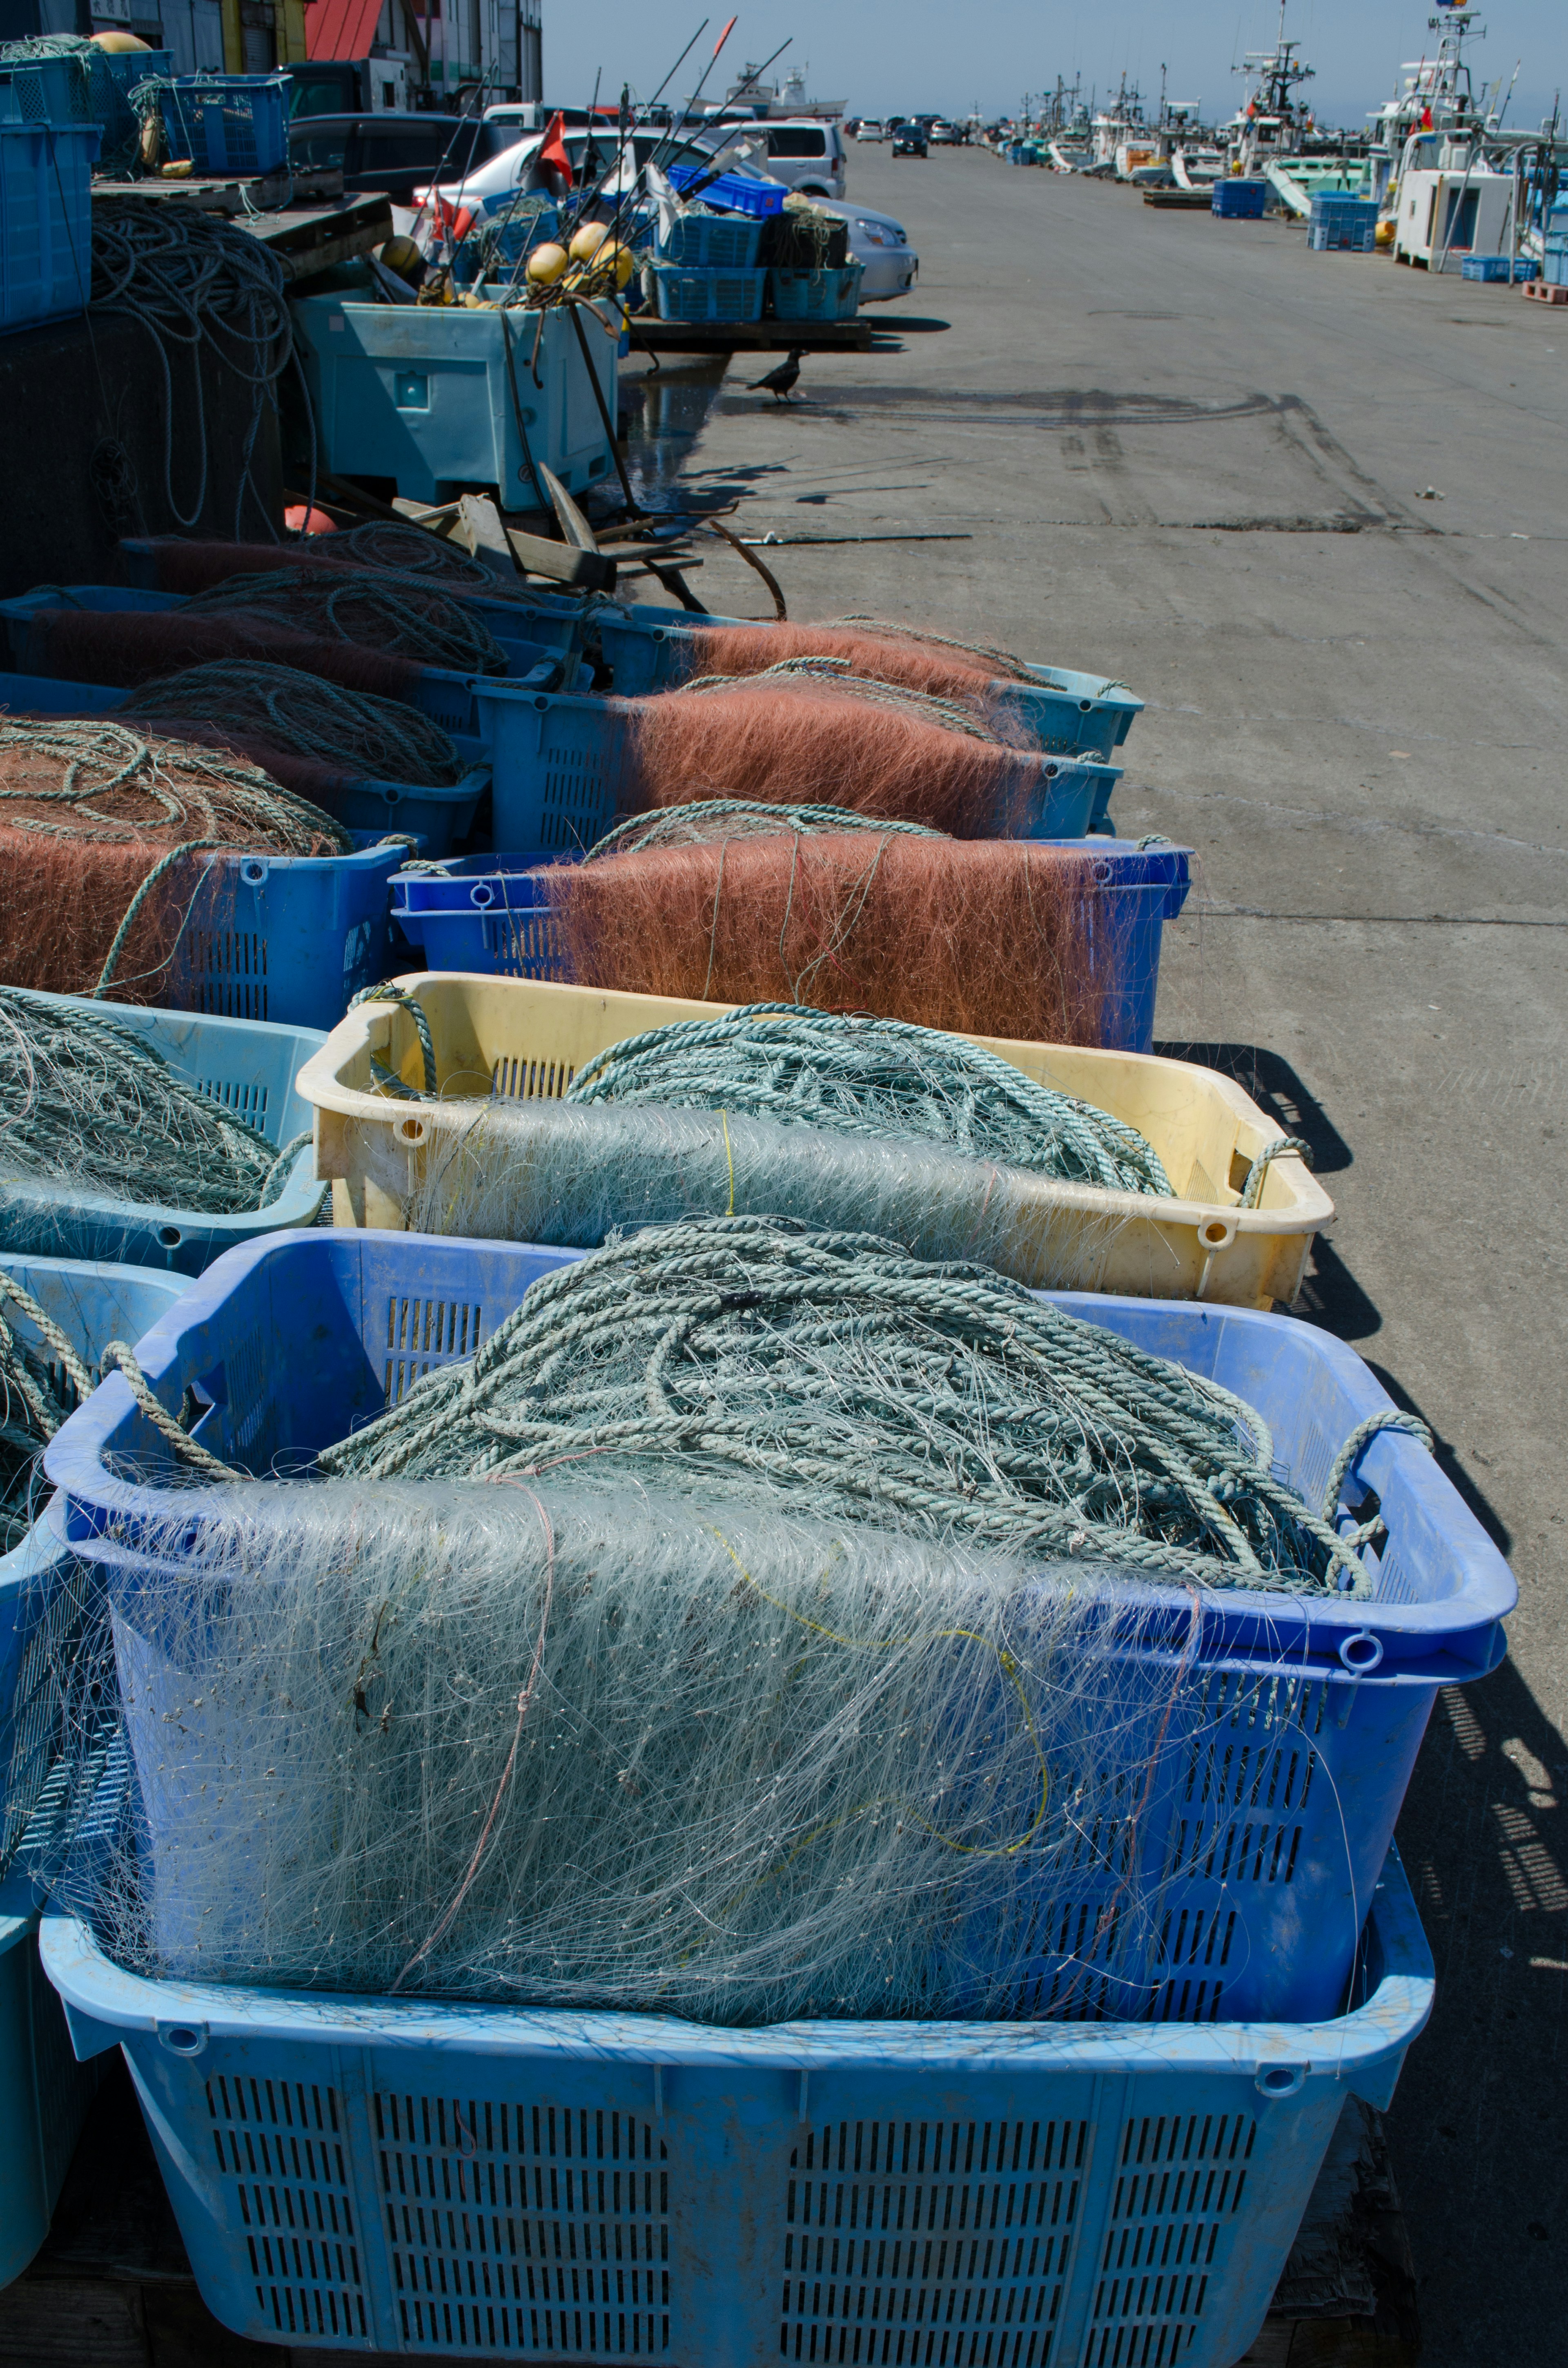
{"type": "Point", "coordinates": [553, 151]}
{"type": "Point", "coordinates": [1425, 119]}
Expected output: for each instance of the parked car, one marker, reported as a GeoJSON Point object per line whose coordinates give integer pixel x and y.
{"type": "Point", "coordinates": [881, 246]}
{"type": "Point", "coordinates": [805, 155]}
{"type": "Point", "coordinates": [870, 129]}
{"type": "Point", "coordinates": [592, 156]}
{"type": "Point", "coordinates": [395, 154]}
{"type": "Point", "coordinates": [909, 140]}
{"type": "Point", "coordinates": [944, 136]}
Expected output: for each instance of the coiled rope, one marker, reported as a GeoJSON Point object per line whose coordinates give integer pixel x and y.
{"type": "Point", "coordinates": [880, 1077]}
{"type": "Point", "coordinates": [402, 615]}
{"type": "Point", "coordinates": [953, 714]}
{"type": "Point", "coordinates": [840, 1374]}
{"type": "Point", "coordinates": [353, 731]}
{"type": "Point", "coordinates": [707, 820]}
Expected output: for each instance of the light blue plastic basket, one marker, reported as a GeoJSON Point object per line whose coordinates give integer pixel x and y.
{"type": "Point", "coordinates": [1271, 1755]}
{"type": "Point", "coordinates": [228, 124]}
{"type": "Point", "coordinates": [245, 1065]}
{"type": "Point", "coordinates": [1062, 712]}
{"type": "Point", "coordinates": [564, 768]}
{"type": "Point", "coordinates": [711, 242]}
{"type": "Point", "coordinates": [46, 236]}
{"type": "Point", "coordinates": [377, 2174]}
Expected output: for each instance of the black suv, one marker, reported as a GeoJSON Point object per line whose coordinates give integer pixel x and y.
{"type": "Point", "coordinates": [909, 140]}
{"type": "Point", "coordinates": [397, 154]}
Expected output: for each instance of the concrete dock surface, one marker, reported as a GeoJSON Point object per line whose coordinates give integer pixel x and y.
{"type": "Point", "coordinates": [1312, 509]}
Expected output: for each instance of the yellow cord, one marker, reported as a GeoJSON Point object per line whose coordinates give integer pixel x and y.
{"type": "Point", "coordinates": [724, 1122]}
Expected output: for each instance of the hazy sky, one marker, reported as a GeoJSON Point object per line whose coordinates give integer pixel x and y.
{"type": "Point", "coordinates": [888, 55]}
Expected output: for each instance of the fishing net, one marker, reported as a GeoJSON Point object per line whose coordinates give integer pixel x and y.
{"type": "Point", "coordinates": [129, 646]}
{"type": "Point", "coordinates": [805, 740]}
{"type": "Point", "coordinates": [311, 732]}
{"type": "Point", "coordinates": [195, 566]}
{"type": "Point", "coordinates": [701, 1755]}
{"type": "Point", "coordinates": [876, 1077]}
{"type": "Point", "coordinates": [94, 1108]}
{"type": "Point", "coordinates": [401, 616]}
{"type": "Point", "coordinates": [709, 821]}
{"type": "Point", "coordinates": [835, 1373]}
{"type": "Point", "coordinates": [100, 96]}
{"type": "Point", "coordinates": [106, 841]}
{"type": "Point", "coordinates": [984, 937]}
{"type": "Point", "coordinates": [36, 1397]}
{"type": "Point", "coordinates": [916, 664]}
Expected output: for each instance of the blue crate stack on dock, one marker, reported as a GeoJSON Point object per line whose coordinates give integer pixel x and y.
{"type": "Point", "coordinates": [46, 153]}
{"type": "Point", "coordinates": [1342, 224]}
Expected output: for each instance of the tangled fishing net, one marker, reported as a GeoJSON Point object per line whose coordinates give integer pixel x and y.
{"type": "Point", "coordinates": [918, 664]}
{"type": "Point", "coordinates": [877, 1077]}
{"type": "Point", "coordinates": [196, 566]}
{"type": "Point", "coordinates": [401, 616]}
{"type": "Point", "coordinates": [987, 936]}
{"type": "Point", "coordinates": [121, 647]}
{"type": "Point", "coordinates": [314, 733]}
{"type": "Point", "coordinates": [816, 740]}
{"type": "Point", "coordinates": [839, 1374]}
{"type": "Point", "coordinates": [107, 837]}
{"type": "Point", "coordinates": [559, 1747]}
{"type": "Point", "coordinates": [36, 1397]}
{"type": "Point", "coordinates": [709, 821]}
{"type": "Point", "coordinates": [92, 1108]}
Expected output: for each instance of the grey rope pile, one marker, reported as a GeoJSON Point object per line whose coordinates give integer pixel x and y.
{"type": "Point", "coordinates": [952, 714]}
{"type": "Point", "coordinates": [878, 1077]}
{"type": "Point", "coordinates": [835, 1373]}
{"type": "Point", "coordinates": [403, 616]}
{"type": "Point", "coordinates": [707, 820]}
{"type": "Point", "coordinates": [88, 1104]}
{"type": "Point", "coordinates": [203, 288]}
{"type": "Point", "coordinates": [354, 731]}
{"type": "Point", "coordinates": [32, 1406]}
{"type": "Point", "coordinates": [414, 550]}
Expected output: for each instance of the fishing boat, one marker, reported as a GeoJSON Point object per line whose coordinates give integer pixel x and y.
{"type": "Point", "coordinates": [1274, 135]}
{"type": "Point", "coordinates": [1446, 180]}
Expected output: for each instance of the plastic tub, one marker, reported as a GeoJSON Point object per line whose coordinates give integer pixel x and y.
{"type": "Point", "coordinates": [733, 191]}
{"type": "Point", "coordinates": [563, 770]}
{"type": "Point", "coordinates": [228, 124]}
{"type": "Point", "coordinates": [437, 815]}
{"type": "Point", "coordinates": [247, 1066]}
{"type": "Point", "coordinates": [681, 294]}
{"type": "Point", "coordinates": [531, 1037]}
{"type": "Point", "coordinates": [484, 916]}
{"type": "Point", "coordinates": [1236, 200]}
{"type": "Point", "coordinates": [705, 242]}
{"type": "Point", "coordinates": [290, 939]}
{"type": "Point", "coordinates": [41, 90]}
{"type": "Point", "coordinates": [1065, 712]}
{"type": "Point", "coordinates": [422, 394]}
{"type": "Point", "coordinates": [832, 295]}
{"type": "Point", "coordinates": [46, 238]}
{"type": "Point", "coordinates": [380, 2175]}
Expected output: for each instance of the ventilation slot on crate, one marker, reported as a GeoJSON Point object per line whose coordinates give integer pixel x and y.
{"type": "Point", "coordinates": [522, 945]}
{"type": "Point", "coordinates": [244, 1098]}
{"type": "Point", "coordinates": [1179, 2181]}
{"type": "Point", "coordinates": [538, 2230]}
{"type": "Point", "coordinates": [522, 1080]}
{"type": "Point", "coordinates": [283, 2146]}
{"type": "Point", "coordinates": [943, 2241]}
{"type": "Point", "coordinates": [424, 1333]}
{"type": "Point", "coordinates": [574, 798]}
{"type": "Point", "coordinates": [250, 1402]}
{"type": "Point", "coordinates": [228, 968]}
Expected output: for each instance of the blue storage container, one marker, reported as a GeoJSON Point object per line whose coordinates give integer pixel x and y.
{"type": "Point", "coordinates": [286, 937]}
{"type": "Point", "coordinates": [681, 294]}
{"type": "Point", "coordinates": [246, 1066]}
{"type": "Point", "coordinates": [1554, 262]}
{"type": "Point", "coordinates": [411, 2177]}
{"type": "Point", "coordinates": [422, 394]}
{"type": "Point", "coordinates": [484, 913]}
{"type": "Point", "coordinates": [227, 123]}
{"type": "Point", "coordinates": [1237, 200]}
{"type": "Point", "coordinates": [436, 813]}
{"type": "Point", "coordinates": [46, 236]}
{"type": "Point", "coordinates": [1277, 1732]}
{"type": "Point", "coordinates": [828, 295]}
{"type": "Point", "coordinates": [563, 770]}
{"type": "Point", "coordinates": [1505, 267]}
{"type": "Point", "coordinates": [1061, 712]}
{"type": "Point", "coordinates": [734, 191]}
{"type": "Point", "coordinates": [712, 241]}
{"type": "Point", "coordinates": [41, 90]}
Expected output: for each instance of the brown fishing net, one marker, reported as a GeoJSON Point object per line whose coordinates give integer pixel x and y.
{"type": "Point", "coordinates": [126, 646]}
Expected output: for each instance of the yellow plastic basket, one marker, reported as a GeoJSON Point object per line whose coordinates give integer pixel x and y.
{"type": "Point", "coordinates": [523, 1039]}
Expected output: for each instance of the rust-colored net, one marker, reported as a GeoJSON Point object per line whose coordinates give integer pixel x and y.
{"type": "Point", "coordinates": [94, 889]}
{"type": "Point", "coordinates": [123, 647]}
{"type": "Point", "coordinates": [997, 938]}
{"type": "Point", "coordinates": [920, 666]}
{"type": "Point", "coordinates": [189, 567]}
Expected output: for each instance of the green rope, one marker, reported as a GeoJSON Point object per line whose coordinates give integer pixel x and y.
{"type": "Point", "coordinates": [1284, 1147]}
{"type": "Point", "coordinates": [837, 1373]}
{"type": "Point", "coordinates": [878, 1077]}
{"type": "Point", "coordinates": [353, 731]}
{"type": "Point", "coordinates": [388, 1079]}
{"type": "Point", "coordinates": [402, 615]}
{"type": "Point", "coordinates": [1391, 1418]}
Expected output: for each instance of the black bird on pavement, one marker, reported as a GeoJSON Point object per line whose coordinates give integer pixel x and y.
{"type": "Point", "coordinates": [779, 382]}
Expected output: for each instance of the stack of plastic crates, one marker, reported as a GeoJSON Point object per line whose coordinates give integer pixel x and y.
{"type": "Point", "coordinates": [1127, 2160]}
{"type": "Point", "coordinates": [830, 295]}
{"type": "Point", "coordinates": [46, 168]}
{"type": "Point", "coordinates": [1235, 200]}
{"type": "Point", "coordinates": [1340, 222]}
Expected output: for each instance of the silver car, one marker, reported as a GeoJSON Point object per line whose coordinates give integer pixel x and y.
{"type": "Point", "coordinates": [879, 245]}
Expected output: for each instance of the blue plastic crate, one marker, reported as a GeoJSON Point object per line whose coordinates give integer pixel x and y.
{"type": "Point", "coordinates": [46, 262]}
{"type": "Point", "coordinates": [1333, 237]}
{"type": "Point", "coordinates": [1278, 1742]}
{"type": "Point", "coordinates": [681, 294]}
{"type": "Point", "coordinates": [482, 914]}
{"type": "Point", "coordinates": [734, 191]}
{"type": "Point", "coordinates": [290, 939]}
{"type": "Point", "coordinates": [42, 90]}
{"type": "Point", "coordinates": [828, 295]}
{"type": "Point", "coordinates": [1503, 267]}
{"type": "Point", "coordinates": [227, 123]}
{"type": "Point", "coordinates": [563, 769]}
{"type": "Point", "coordinates": [1064, 713]}
{"type": "Point", "coordinates": [711, 242]}
{"type": "Point", "coordinates": [434, 813]}
{"type": "Point", "coordinates": [1237, 200]}
{"type": "Point", "coordinates": [245, 1066]}
{"type": "Point", "coordinates": [1554, 263]}
{"type": "Point", "coordinates": [739, 2196]}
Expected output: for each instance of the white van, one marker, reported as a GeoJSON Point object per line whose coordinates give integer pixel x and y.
{"type": "Point", "coordinates": [803, 154]}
